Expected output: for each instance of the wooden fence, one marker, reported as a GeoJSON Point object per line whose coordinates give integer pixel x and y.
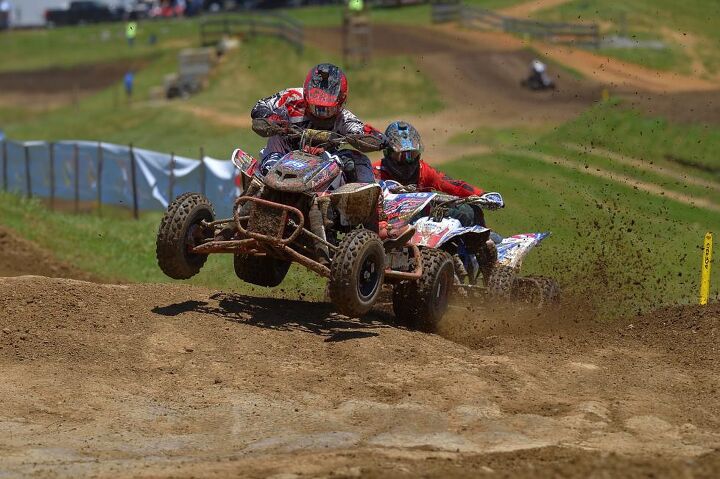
{"type": "Point", "coordinates": [482, 19]}
{"type": "Point", "coordinates": [212, 30]}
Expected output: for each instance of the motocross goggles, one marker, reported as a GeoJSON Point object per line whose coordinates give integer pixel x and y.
{"type": "Point", "coordinates": [323, 112]}
{"type": "Point", "coordinates": [408, 157]}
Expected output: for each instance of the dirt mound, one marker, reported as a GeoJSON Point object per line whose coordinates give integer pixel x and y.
{"type": "Point", "coordinates": [172, 380]}
{"type": "Point", "coordinates": [49, 88]}
{"type": "Point", "coordinates": [94, 76]}
{"type": "Point", "coordinates": [21, 257]}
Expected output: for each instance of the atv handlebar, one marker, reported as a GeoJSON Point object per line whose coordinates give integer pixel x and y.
{"type": "Point", "coordinates": [318, 138]}
{"type": "Point", "coordinates": [490, 201]}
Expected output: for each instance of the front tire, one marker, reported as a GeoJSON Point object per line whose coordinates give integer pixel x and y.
{"type": "Point", "coordinates": [423, 303]}
{"type": "Point", "coordinates": [357, 273]}
{"type": "Point", "coordinates": [181, 229]}
{"type": "Point", "coordinates": [260, 270]}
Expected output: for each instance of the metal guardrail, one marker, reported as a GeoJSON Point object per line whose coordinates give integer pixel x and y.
{"type": "Point", "coordinates": [482, 19]}
{"type": "Point", "coordinates": [212, 30]}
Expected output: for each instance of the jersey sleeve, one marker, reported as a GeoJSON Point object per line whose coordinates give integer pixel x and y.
{"type": "Point", "coordinates": [348, 123]}
{"type": "Point", "coordinates": [286, 103]}
{"type": "Point", "coordinates": [430, 178]}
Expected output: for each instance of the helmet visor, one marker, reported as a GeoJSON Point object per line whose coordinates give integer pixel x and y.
{"type": "Point", "coordinates": [405, 157]}
{"type": "Point", "coordinates": [323, 112]}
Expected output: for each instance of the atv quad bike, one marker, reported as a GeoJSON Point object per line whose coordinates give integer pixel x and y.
{"type": "Point", "coordinates": [301, 210]}
{"type": "Point", "coordinates": [480, 266]}
{"type": "Point", "coordinates": [538, 82]}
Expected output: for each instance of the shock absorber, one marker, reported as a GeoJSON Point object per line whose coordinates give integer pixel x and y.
{"type": "Point", "coordinates": [317, 227]}
{"type": "Point", "coordinates": [460, 270]}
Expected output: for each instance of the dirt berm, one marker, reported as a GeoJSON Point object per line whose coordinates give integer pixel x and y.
{"type": "Point", "coordinates": [20, 256]}
{"type": "Point", "coordinates": [158, 380]}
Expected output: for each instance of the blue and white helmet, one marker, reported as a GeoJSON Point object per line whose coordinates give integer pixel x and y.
{"type": "Point", "coordinates": [404, 142]}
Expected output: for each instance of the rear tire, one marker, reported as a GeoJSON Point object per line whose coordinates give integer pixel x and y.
{"type": "Point", "coordinates": [538, 290]}
{"type": "Point", "coordinates": [179, 230]}
{"type": "Point", "coordinates": [502, 282]}
{"type": "Point", "coordinates": [357, 273]}
{"type": "Point", "coordinates": [423, 303]}
{"type": "Point", "coordinates": [260, 270]}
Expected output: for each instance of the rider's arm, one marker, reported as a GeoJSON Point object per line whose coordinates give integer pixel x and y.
{"type": "Point", "coordinates": [349, 124]}
{"type": "Point", "coordinates": [430, 178]}
{"type": "Point", "coordinates": [285, 103]}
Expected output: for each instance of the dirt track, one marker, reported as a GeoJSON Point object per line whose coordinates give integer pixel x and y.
{"type": "Point", "coordinates": [148, 380]}
{"type": "Point", "coordinates": [20, 257]}
{"type": "Point", "coordinates": [480, 72]}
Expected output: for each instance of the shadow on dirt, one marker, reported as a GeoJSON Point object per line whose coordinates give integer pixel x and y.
{"type": "Point", "coordinates": [283, 315]}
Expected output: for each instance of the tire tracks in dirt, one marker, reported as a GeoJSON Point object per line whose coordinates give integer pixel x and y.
{"type": "Point", "coordinates": [651, 188]}
{"type": "Point", "coordinates": [672, 174]}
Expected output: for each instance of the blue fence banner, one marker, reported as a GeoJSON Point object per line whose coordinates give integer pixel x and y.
{"type": "Point", "coordinates": [91, 171]}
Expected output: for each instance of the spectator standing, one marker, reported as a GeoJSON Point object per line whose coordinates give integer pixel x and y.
{"type": "Point", "coordinates": [356, 6]}
{"type": "Point", "coordinates": [129, 81]}
{"type": "Point", "coordinates": [131, 32]}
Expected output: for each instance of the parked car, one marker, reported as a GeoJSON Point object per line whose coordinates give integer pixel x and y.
{"type": "Point", "coordinates": [81, 12]}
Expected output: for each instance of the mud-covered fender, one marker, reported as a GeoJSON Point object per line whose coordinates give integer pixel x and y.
{"type": "Point", "coordinates": [513, 249]}
{"type": "Point", "coordinates": [355, 202]}
{"type": "Point", "coordinates": [433, 234]}
{"type": "Point", "coordinates": [401, 208]}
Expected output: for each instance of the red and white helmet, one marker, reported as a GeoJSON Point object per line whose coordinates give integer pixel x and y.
{"type": "Point", "coordinates": [325, 90]}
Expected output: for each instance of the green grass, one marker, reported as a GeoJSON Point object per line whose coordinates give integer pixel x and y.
{"type": "Point", "coordinates": [68, 46]}
{"type": "Point", "coordinates": [672, 58]}
{"type": "Point", "coordinates": [613, 126]}
{"type": "Point", "coordinates": [499, 138]}
{"type": "Point", "coordinates": [331, 15]}
{"type": "Point", "coordinates": [622, 248]}
{"type": "Point", "coordinates": [590, 160]}
{"type": "Point", "coordinates": [619, 249]}
{"type": "Point", "coordinates": [249, 74]}
{"type": "Point", "coordinates": [647, 19]}
{"type": "Point", "coordinates": [118, 248]}
{"type": "Point", "coordinates": [692, 16]}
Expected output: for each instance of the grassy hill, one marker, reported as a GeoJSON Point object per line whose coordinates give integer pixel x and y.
{"type": "Point", "coordinates": [258, 69]}
{"type": "Point", "coordinates": [689, 28]}
{"type": "Point", "coordinates": [615, 244]}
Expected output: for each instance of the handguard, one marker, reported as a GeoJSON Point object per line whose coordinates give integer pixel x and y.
{"type": "Point", "coordinates": [265, 127]}
{"type": "Point", "coordinates": [366, 143]}
{"type": "Point", "coordinates": [319, 137]}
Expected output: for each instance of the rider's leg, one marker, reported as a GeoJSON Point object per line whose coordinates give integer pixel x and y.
{"type": "Point", "coordinates": [358, 168]}
{"type": "Point", "coordinates": [469, 216]}
{"type": "Point", "coordinates": [277, 147]}
{"type": "Point", "coordinates": [463, 213]}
